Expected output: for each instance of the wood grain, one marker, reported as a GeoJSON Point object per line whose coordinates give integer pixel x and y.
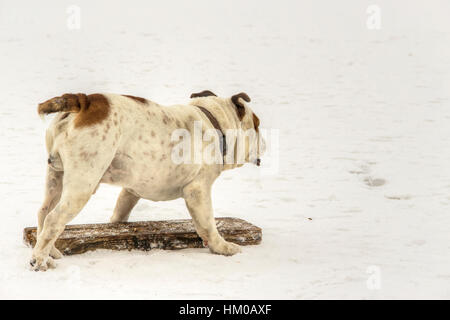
{"type": "Point", "coordinates": [145, 235]}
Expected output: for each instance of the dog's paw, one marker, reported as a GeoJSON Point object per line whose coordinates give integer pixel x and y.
{"type": "Point", "coordinates": [55, 253]}
{"type": "Point", "coordinates": [226, 248]}
{"type": "Point", "coordinates": [39, 263]}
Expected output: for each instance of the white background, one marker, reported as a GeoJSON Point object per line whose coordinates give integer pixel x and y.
{"type": "Point", "coordinates": [363, 182]}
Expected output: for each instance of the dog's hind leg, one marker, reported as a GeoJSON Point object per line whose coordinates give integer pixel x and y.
{"type": "Point", "coordinates": [53, 189]}
{"type": "Point", "coordinates": [78, 186]}
{"type": "Point", "coordinates": [198, 201]}
{"type": "Point", "coordinates": [125, 203]}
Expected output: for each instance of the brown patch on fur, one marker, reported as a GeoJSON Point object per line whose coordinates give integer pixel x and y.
{"type": "Point", "coordinates": [91, 109]}
{"type": "Point", "coordinates": [204, 93]}
{"type": "Point", "coordinates": [95, 111]}
{"type": "Point", "coordinates": [138, 99]}
{"type": "Point", "coordinates": [240, 109]}
{"type": "Point", "coordinates": [256, 122]}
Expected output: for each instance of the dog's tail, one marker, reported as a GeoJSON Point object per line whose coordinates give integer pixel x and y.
{"type": "Point", "coordinates": [66, 103]}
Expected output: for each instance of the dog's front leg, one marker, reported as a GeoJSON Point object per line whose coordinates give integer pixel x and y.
{"type": "Point", "coordinates": [125, 203]}
{"type": "Point", "coordinates": [198, 201]}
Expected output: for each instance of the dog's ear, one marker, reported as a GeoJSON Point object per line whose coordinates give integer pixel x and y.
{"type": "Point", "coordinates": [240, 109]}
{"type": "Point", "coordinates": [204, 93]}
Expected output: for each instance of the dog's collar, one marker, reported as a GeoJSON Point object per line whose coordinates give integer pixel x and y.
{"type": "Point", "coordinates": [216, 125]}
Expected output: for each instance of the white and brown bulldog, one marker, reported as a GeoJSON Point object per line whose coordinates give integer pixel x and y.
{"type": "Point", "coordinates": [135, 143]}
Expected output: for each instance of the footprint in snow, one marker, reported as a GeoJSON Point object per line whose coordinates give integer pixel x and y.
{"type": "Point", "coordinates": [374, 182]}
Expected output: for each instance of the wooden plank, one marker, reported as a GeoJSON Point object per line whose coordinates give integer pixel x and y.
{"type": "Point", "coordinates": [145, 235]}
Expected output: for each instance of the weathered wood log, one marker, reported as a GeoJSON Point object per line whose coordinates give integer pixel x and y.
{"type": "Point", "coordinates": [145, 235]}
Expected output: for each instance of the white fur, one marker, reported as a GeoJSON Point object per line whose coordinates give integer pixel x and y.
{"type": "Point", "coordinates": [130, 148]}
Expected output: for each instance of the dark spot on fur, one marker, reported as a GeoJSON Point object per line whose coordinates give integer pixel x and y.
{"type": "Point", "coordinates": [84, 154]}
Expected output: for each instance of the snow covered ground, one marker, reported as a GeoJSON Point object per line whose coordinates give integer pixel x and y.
{"type": "Point", "coordinates": [359, 207]}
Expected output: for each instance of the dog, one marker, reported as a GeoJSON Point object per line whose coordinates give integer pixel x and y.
{"type": "Point", "coordinates": [128, 141]}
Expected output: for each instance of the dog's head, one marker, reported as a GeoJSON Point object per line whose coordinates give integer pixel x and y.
{"type": "Point", "coordinates": [246, 120]}
{"type": "Point", "coordinates": [254, 143]}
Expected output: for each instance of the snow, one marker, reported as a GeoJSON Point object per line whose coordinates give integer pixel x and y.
{"type": "Point", "coordinates": [362, 189]}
